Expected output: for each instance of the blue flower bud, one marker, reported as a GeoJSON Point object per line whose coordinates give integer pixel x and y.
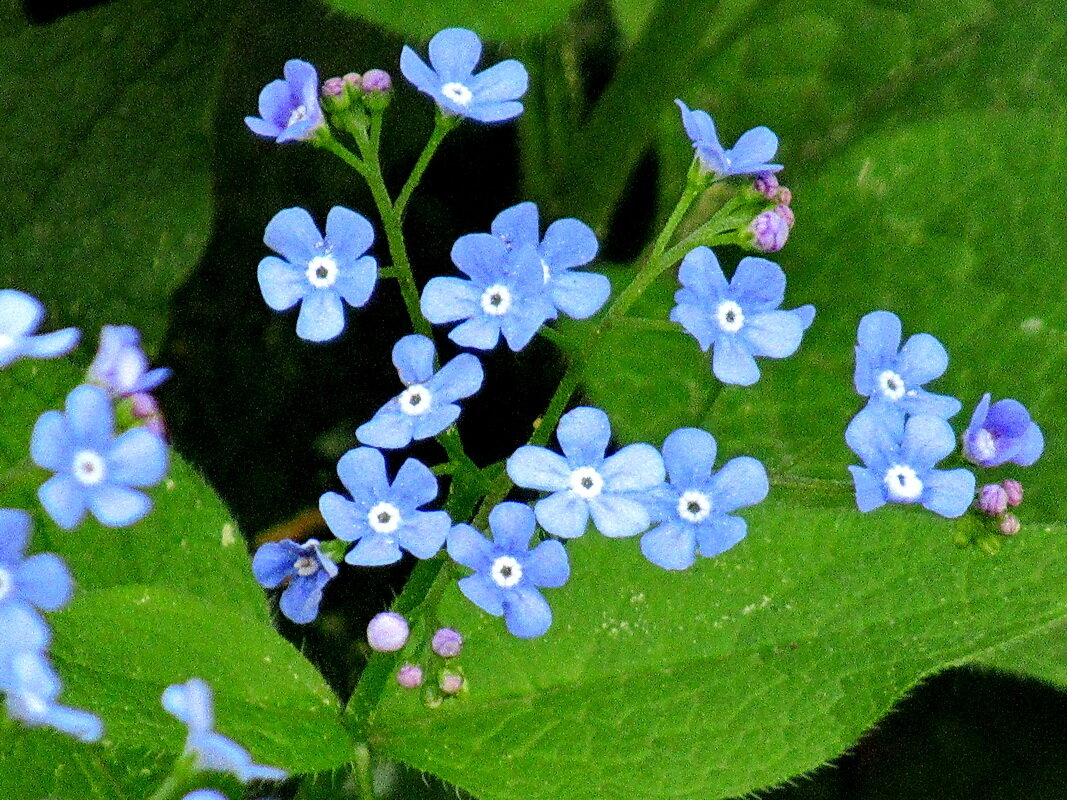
{"type": "Point", "coordinates": [387, 632]}
{"type": "Point", "coordinates": [447, 642]}
{"type": "Point", "coordinates": [992, 499]}
{"type": "Point", "coordinates": [409, 676]}
{"type": "Point", "coordinates": [1014, 490]}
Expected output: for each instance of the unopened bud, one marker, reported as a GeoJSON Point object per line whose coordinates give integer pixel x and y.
{"type": "Point", "coordinates": [1014, 490]}
{"type": "Point", "coordinates": [387, 632]}
{"type": "Point", "coordinates": [409, 676]}
{"type": "Point", "coordinates": [786, 213]}
{"type": "Point", "coordinates": [1009, 524]}
{"type": "Point", "coordinates": [353, 79]}
{"type": "Point", "coordinates": [377, 80]}
{"type": "Point", "coordinates": [769, 231]}
{"type": "Point", "coordinates": [447, 642]}
{"type": "Point", "coordinates": [451, 682]}
{"type": "Point", "coordinates": [783, 196]}
{"type": "Point", "coordinates": [333, 87]}
{"type": "Point", "coordinates": [767, 185]}
{"type": "Point", "coordinates": [992, 499]}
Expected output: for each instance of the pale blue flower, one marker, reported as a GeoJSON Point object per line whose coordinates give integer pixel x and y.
{"type": "Point", "coordinates": [507, 573]}
{"type": "Point", "coordinates": [289, 109]}
{"type": "Point", "coordinates": [1002, 432]}
{"type": "Point", "coordinates": [307, 569]}
{"type": "Point", "coordinates": [749, 156]}
{"type": "Point", "coordinates": [40, 581]}
{"type": "Point", "coordinates": [121, 366]}
{"type": "Point", "coordinates": [20, 314]}
{"type": "Point", "coordinates": [31, 687]}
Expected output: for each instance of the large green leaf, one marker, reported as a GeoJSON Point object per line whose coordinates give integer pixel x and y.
{"type": "Point", "coordinates": [105, 171]}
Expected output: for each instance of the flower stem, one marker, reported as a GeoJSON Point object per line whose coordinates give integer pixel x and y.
{"type": "Point", "coordinates": [184, 769]}
{"type": "Point", "coordinates": [361, 763]}
{"type": "Point", "coordinates": [442, 125]}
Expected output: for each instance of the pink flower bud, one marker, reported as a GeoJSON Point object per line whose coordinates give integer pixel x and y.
{"type": "Point", "coordinates": [992, 499]}
{"type": "Point", "coordinates": [377, 80]}
{"type": "Point", "coordinates": [1009, 524]}
{"type": "Point", "coordinates": [447, 642]}
{"type": "Point", "coordinates": [1014, 490]}
{"type": "Point", "coordinates": [450, 682]}
{"type": "Point", "coordinates": [387, 632]}
{"type": "Point", "coordinates": [409, 676]}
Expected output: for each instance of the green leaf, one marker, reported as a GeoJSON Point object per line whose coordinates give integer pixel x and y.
{"type": "Point", "coordinates": [105, 169]}
{"type": "Point", "coordinates": [489, 19]}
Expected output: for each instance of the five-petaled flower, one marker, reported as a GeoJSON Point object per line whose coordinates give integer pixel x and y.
{"type": "Point", "coordinates": [191, 702]}
{"type": "Point", "coordinates": [1002, 432]}
{"type": "Point", "coordinates": [507, 571]}
{"type": "Point", "coordinates": [694, 508]}
{"type": "Point", "coordinates": [490, 96]}
{"type": "Point", "coordinates": [289, 109]}
{"type": "Point", "coordinates": [121, 366]}
{"type": "Point", "coordinates": [584, 482]}
{"type": "Point", "coordinates": [307, 569]}
{"type": "Point", "coordinates": [749, 156]}
{"type": "Point", "coordinates": [20, 314]}
{"type": "Point", "coordinates": [320, 273]}
{"type": "Point", "coordinates": [95, 470]}
{"type": "Point", "coordinates": [568, 243]}
{"type": "Point", "coordinates": [428, 405]}
{"type": "Point", "coordinates": [892, 376]}
{"type": "Point", "coordinates": [739, 319]}
{"type": "Point", "coordinates": [381, 518]}
{"type": "Point", "coordinates": [506, 294]}
{"type": "Point", "coordinates": [40, 581]}
{"type": "Point", "coordinates": [899, 459]}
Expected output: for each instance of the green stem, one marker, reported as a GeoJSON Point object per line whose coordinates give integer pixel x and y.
{"type": "Point", "coordinates": [689, 195]}
{"type": "Point", "coordinates": [362, 764]}
{"type": "Point", "coordinates": [184, 769]}
{"type": "Point", "coordinates": [442, 125]}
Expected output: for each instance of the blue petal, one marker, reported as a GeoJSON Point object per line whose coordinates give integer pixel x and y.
{"type": "Point", "coordinates": [362, 471]}
{"type": "Point", "coordinates": [1031, 447]}
{"type": "Point", "coordinates": [468, 547]}
{"type": "Point", "coordinates": [390, 428]}
{"type": "Point", "coordinates": [978, 416]}
{"type": "Point", "coordinates": [44, 581]}
{"type": "Point", "coordinates": [568, 243]}
{"type": "Point", "coordinates": [526, 317]}
{"type": "Point", "coordinates": [417, 72]}
{"type": "Point", "coordinates": [875, 437]}
{"type": "Point", "coordinates": [344, 518]}
{"type": "Point", "coordinates": [689, 455]}
{"type": "Point", "coordinates": [806, 315]}
{"type": "Point", "coordinates": [494, 112]}
{"type": "Point", "coordinates": [450, 299]}
{"type": "Point", "coordinates": [355, 283]}
{"type": "Point", "coordinates": [719, 534]}
{"type": "Point", "coordinates": [583, 434]}
{"type": "Point", "coordinates": [500, 83]}
{"type": "Point", "coordinates": [118, 506]}
{"type": "Point", "coordinates": [20, 313]}
{"type": "Point", "coordinates": [579, 294]}
{"type": "Point", "coordinates": [538, 468]}
{"type": "Point", "coordinates": [461, 377]}
{"type": "Point", "coordinates": [15, 530]}
{"type": "Point", "coordinates": [262, 127]}
{"type": "Point", "coordinates": [517, 226]}
{"type": "Point", "coordinates": [51, 345]}
{"type": "Point", "coordinates": [413, 358]}
{"type": "Point", "coordinates": [700, 128]}
{"type": "Point", "coordinates": [753, 150]}
{"type": "Point", "coordinates": [300, 601]}
{"type": "Point", "coordinates": [948, 492]}
{"type": "Point", "coordinates": [877, 340]}
{"type": "Point", "coordinates": [454, 53]}
{"type": "Point", "coordinates": [423, 534]}
{"type": "Point", "coordinates": [547, 565]}
{"type": "Point", "coordinates": [191, 702]}
{"type": "Point", "coordinates": [204, 794]}
{"type": "Point", "coordinates": [920, 401]}
{"type": "Point", "coordinates": [616, 515]}
{"type": "Point", "coordinates": [513, 526]}
{"type": "Point", "coordinates": [281, 284]}
{"type": "Point", "coordinates": [64, 500]}
{"type": "Point", "coordinates": [741, 482]}
{"type": "Point", "coordinates": [757, 285]}
{"type": "Point", "coordinates": [697, 323]}
{"type": "Point", "coordinates": [348, 234]}
{"type": "Point", "coordinates": [922, 358]}
{"type": "Point", "coordinates": [870, 492]}
{"type": "Point", "coordinates": [90, 417]}
{"type": "Point", "coordinates": [138, 457]}
{"type": "Point", "coordinates": [434, 421]}
{"type": "Point", "coordinates": [414, 485]}
{"type": "Point", "coordinates": [481, 332]}
{"type": "Point", "coordinates": [732, 363]}
{"type": "Point", "coordinates": [374, 550]}
{"type": "Point", "coordinates": [700, 270]}
{"type": "Point", "coordinates": [301, 76]}
{"type": "Point", "coordinates": [293, 233]}
{"type": "Point", "coordinates": [1008, 419]}
{"type": "Point", "coordinates": [926, 441]}
{"type": "Point", "coordinates": [485, 594]}
{"type": "Point", "coordinates": [633, 468]}
{"type": "Point", "coordinates": [273, 563]}
{"type": "Point", "coordinates": [671, 545]}
{"type": "Point", "coordinates": [563, 514]}
{"type": "Point", "coordinates": [776, 334]}
{"type": "Point", "coordinates": [322, 316]}
{"type": "Point", "coordinates": [526, 612]}
{"type": "Point", "coordinates": [82, 725]}
{"type": "Point", "coordinates": [21, 630]}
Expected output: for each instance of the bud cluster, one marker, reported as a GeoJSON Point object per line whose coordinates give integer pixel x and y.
{"type": "Point", "coordinates": [994, 500]}
{"type": "Point", "coordinates": [388, 632]}
{"type": "Point", "coordinates": [770, 229]}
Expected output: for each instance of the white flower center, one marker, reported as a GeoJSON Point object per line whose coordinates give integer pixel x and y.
{"type": "Point", "coordinates": [6, 341]}
{"type": "Point", "coordinates": [506, 572]}
{"type": "Point", "coordinates": [457, 93]}
{"type": "Point", "coordinates": [415, 400]}
{"type": "Point", "coordinates": [984, 445]}
{"type": "Point", "coordinates": [903, 484]}
{"type": "Point", "coordinates": [694, 506]}
{"type": "Point", "coordinates": [306, 565]}
{"type": "Point", "coordinates": [322, 272]}
{"type": "Point", "coordinates": [7, 583]}
{"type": "Point", "coordinates": [546, 271]}
{"type": "Point", "coordinates": [384, 517]}
{"type": "Point", "coordinates": [891, 385]}
{"type": "Point", "coordinates": [586, 482]}
{"type": "Point", "coordinates": [496, 300]}
{"type": "Point", "coordinates": [729, 316]}
{"type": "Point", "coordinates": [88, 467]}
{"type": "Point", "coordinates": [299, 114]}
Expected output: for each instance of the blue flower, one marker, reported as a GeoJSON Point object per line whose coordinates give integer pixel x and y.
{"type": "Point", "coordinates": [95, 470]}
{"type": "Point", "coordinates": [505, 294]}
{"type": "Point", "coordinates": [751, 154]}
{"type": "Point", "coordinates": [428, 405]}
{"type": "Point", "coordinates": [1002, 432]}
{"type": "Point", "coordinates": [307, 568]}
{"type": "Point", "coordinates": [20, 314]}
{"type": "Point", "coordinates": [507, 571]}
{"type": "Point", "coordinates": [741, 319]}
{"type": "Point", "coordinates": [191, 702]}
{"type": "Point", "coordinates": [204, 794]}
{"type": "Point", "coordinates": [31, 687]}
{"type": "Point", "coordinates": [694, 508]}
{"type": "Point", "coordinates": [899, 459]}
{"type": "Point", "coordinates": [892, 376]}
{"type": "Point", "coordinates": [318, 272]}
{"type": "Point", "coordinates": [583, 482]}
{"type": "Point", "coordinates": [489, 96]}
{"type": "Point", "coordinates": [568, 243]}
{"type": "Point", "coordinates": [290, 108]}
{"type": "Point", "coordinates": [120, 365]}
{"type": "Point", "coordinates": [381, 517]}
{"type": "Point", "coordinates": [41, 581]}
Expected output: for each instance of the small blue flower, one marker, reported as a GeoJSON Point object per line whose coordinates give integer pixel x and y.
{"type": "Point", "coordinates": [490, 96]}
{"type": "Point", "coordinates": [381, 517]}
{"type": "Point", "coordinates": [505, 294]}
{"type": "Point", "coordinates": [568, 243]}
{"type": "Point", "coordinates": [694, 507]}
{"type": "Point", "coordinates": [318, 272]}
{"type": "Point", "coordinates": [741, 319]}
{"type": "Point", "coordinates": [899, 459]}
{"type": "Point", "coordinates": [290, 108]}
{"type": "Point", "coordinates": [41, 581]}
{"type": "Point", "coordinates": [95, 470]}
{"type": "Point", "coordinates": [20, 314]}
{"type": "Point", "coordinates": [204, 794]}
{"type": "Point", "coordinates": [749, 156]}
{"type": "Point", "coordinates": [191, 702]}
{"type": "Point", "coordinates": [428, 405]}
{"type": "Point", "coordinates": [507, 571]}
{"type": "Point", "coordinates": [892, 376]}
{"type": "Point", "coordinates": [307, 569]}
{"type": "Point", "coordinates": [120, 365]}
{"type": "Point", "coordinates": [1002, 432]}
{"type": "Point", "coordinates": [583, 482]}
{"type": "Point", "coordinates": [22, 630]}
{"type": "Point", "coordinates": [31, 686]}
